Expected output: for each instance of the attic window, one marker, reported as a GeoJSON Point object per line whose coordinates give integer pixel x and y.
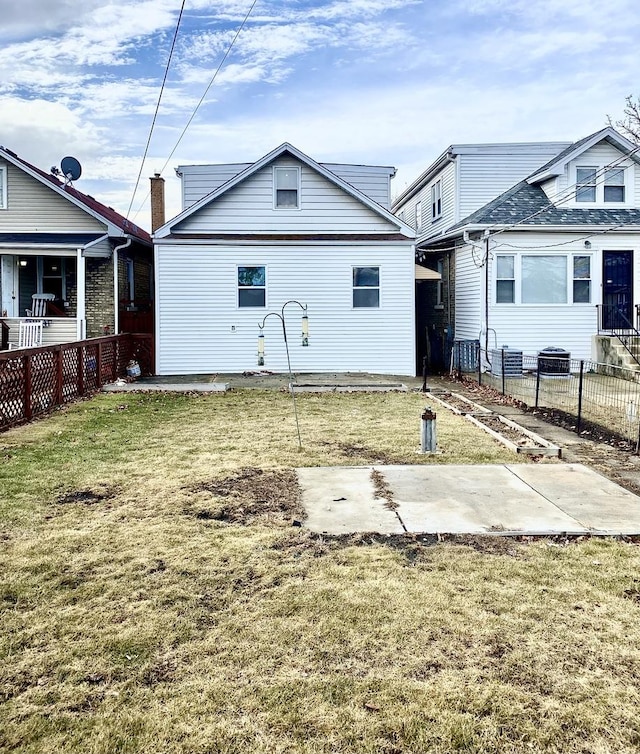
{"type": "Point", "coordinates": [614, 185]}
{"type": "Point", "coordinates": [3, 187]}
{"type": "Point", "coordinates": [286, 188]}
{"type": "Point", "coordinates": [586, 184]}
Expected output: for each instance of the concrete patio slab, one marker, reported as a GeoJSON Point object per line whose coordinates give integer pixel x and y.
{"type": "Point", "coordinates": [341, 500]}
{"type": "Point", "coordinates": [471, 500]}
{"type": "Point", "coordinates": [593, 500]}
{"type": "Point", "coordinates": [454, 499]}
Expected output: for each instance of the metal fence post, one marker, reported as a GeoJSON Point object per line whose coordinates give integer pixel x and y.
{"type": "Point", "coordinates": [479, 365]}
{"type": "Point", "coordinates": [580, 384]}
{"type": "Point", "coordinates": [538, 383]}
{"type": "Point", "coordinates": [503, 383]}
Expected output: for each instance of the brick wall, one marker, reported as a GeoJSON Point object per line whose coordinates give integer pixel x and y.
{"type": "Point", "coordinates": [99, 297]}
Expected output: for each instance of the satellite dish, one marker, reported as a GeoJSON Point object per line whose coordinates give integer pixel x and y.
{"type": "Point", "coordinates": [71, 168]}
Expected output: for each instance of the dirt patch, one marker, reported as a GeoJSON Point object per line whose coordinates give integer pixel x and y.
{"type": "Point", "coordinates": [464, 406]}
{"type": "Point", "coordinates": [161, 671]}
{"type": "Point", "coordinates": [511, 433]}
{"type": "Point", "coordinates": [249, 494]}
{"type": "Point", "coordinates": [366, 455]}
{"type": "Point", "coordinates": [87, 496]}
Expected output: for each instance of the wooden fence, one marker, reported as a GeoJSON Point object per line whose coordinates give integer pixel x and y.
{"type": "Point", "coordinates": [33, 381]}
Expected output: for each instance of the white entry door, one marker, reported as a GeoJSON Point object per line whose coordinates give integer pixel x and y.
{"type": "Point", "coordinates": [9, 286]}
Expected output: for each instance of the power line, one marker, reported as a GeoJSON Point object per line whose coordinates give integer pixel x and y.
{"type": "Point", "coordinates": [206, 91]}
{"type": "Point", "coordinates": [155, 115]}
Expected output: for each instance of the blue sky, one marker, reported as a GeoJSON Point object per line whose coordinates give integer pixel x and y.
{"type": "Point", "coordinates": [390, 82]}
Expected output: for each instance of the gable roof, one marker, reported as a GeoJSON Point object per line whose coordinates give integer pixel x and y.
{"type": "Point", "coordinates": [556, 165]}
{"type": "Point", "coordinates": [527, 205]}
{"type": "Point", "coordinates": [253, 168]}
{"type": "Point", "coordinates": [117, 225]}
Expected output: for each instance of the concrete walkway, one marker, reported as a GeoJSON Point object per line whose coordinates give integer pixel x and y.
{"type": "Point", "coordinates": [438, 499]}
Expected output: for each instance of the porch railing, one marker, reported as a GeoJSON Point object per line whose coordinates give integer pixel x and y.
{"type": "Point", "coordinates": [33, 381]}
{"type": "Point", "coordinates": [613, 320]}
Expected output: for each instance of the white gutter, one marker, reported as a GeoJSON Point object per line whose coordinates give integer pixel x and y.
{"type": "Point", "coordinates": [116, 292]}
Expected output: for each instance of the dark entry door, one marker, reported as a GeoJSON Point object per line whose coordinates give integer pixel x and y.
{"type": "Point", "coordinates": [617, 290]}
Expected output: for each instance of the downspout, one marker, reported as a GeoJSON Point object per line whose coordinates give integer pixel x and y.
{"type": "Point", "coordinates": [116, 291]}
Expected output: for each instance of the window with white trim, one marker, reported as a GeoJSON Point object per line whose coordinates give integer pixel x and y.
{"type": "Point", "coordinates": [3, 187]}
{"type": "Point", "coordinates": [543, 279]}
{"type": "Point", "coordinates": [440, 284]}
{"type": "Point", "coordinates": [286, 188]}
{"type": "Point", "coordinates": [366, 287]}
{"type": "Point", "coordinates": [505, 279]}
{"type": "Point", "coordinates": [418, 215]}
{"type": "Point", "coordinates": [252, 287]}
{"type": "Point", "coordinates": [436, 200]}
{"type": "Point", "coordinates": [601, 185]}
{"type": "Point", "coordinates": [614, 185]}
{"type": "Point", "coordinates": [586, 184]}
{"type": "Point", "coordinates": [581, 279]}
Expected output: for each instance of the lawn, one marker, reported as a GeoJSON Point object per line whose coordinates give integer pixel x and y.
{"type": "Point", "coordinates": [155, 596]}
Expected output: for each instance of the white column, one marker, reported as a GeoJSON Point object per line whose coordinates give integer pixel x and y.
{"type": "Point", "coordinates": [9, 285]}
{"type": "Point", "coordinates": [81, 296]}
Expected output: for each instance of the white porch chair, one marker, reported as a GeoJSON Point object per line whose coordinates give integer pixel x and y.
{"type": "Point", "coordinates": [39, 304]}
{"type": "Point", "coordinates": [29, 335]}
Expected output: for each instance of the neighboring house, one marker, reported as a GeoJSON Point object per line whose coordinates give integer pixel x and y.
{"type": "Point", "coordinates": [541, 241]}
{"type": "Point", "coordinates": [54, 239]}
{"type": "Point", "coordinates": [253, 236]}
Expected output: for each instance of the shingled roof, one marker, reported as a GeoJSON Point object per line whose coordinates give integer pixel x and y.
{"type": "Point", "coordinates": [108, 214]}
{"type": "Point", "coordinates": [528, 205]}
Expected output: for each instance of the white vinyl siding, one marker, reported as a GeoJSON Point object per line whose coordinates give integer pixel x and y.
{"type": "Point", "coordinates": [60, 330]}
{"type": "Point", "coordinates": [532, 327]}
{"type": "Point", "coordinates": [200, 180]}
{"type": "Point", "coordinates": [469, 296]}
{"type": "Point", "coordinates": [3, 187]}
{"type": "Point", "coordinates": [34, 208]}
{"type": "Point", "coordinates": [486, 171]}
{"type": "Point", "coordinates": [200, 329]}
{"type": "Point", "coordinates": [248, 207]}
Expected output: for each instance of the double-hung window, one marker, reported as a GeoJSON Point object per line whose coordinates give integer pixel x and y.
{"type": "Point", "coordinates": [543, 279]}
{"type": "Point", "coordinates": [252, 287]}
{"type": "Point", "coordinates": [600, 185]}
{"type": "Point", "coordinates": [581, 279]}
{"type": "Point", "coordinates": [505, 279]}
{"type": "Point", "coordinates": [3, 187]}
{"type": "Point", "coordinates": [614, 185]}
{"type": "Point", "coordinates": [366, 287]}
{"type": "Point", "coordinates": [436, 200]}
{"type": "Point", "coordinates": [286, 188]}
{"type": "Point", "coordinates": [586, 184]}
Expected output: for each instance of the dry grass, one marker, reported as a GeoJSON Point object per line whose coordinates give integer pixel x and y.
{"type": "Point", "coordinates": [155, 597]}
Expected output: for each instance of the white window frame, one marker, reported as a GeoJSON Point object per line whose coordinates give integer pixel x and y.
{"type": "Point", "coordinates": [440, 285]}
{"type": "Point", "coordinates": [569, 258]}
{"type": "Point", "coordinates": [4, 204]}
{"type": "Point", "coordinates": [418, 215]}
{"type": "Point", "coordinates": [276, 170]}
{"type": "Point", "coordinates": [600, 183]}
{"type": "Point", "coordinates": [251, 287]}
{"type": "Point", "coordinates": [436, 201]}
{"type": "Point", "coordinates": [355, 288]}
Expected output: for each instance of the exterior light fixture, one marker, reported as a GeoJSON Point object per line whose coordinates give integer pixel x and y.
{"type": "Point", "coordinates": [305, 328]}
{"type": "Point", "coordinates": [587, 244]}
{"type": "Point", "coordinates": [23, 263]}
{"type": "Point", "coordinates": [261, 347]}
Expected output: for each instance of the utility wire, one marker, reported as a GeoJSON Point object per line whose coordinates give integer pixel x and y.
{"type": "Point", "coordinates": [206, 91]}
{"type": "Point", "coordinates": [155, 115]}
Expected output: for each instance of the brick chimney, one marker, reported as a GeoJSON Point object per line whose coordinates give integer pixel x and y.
{"type": "Point", "coordinates": [157, 202]}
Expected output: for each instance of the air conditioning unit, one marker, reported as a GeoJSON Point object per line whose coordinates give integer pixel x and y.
{"type": "Point", "coordinates": [507, 359]}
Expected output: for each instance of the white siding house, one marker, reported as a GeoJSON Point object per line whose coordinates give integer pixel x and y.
{"type": "Point", "coordinates": [554, 260]}
{"type": "Point", "coordinates": [285, 228]}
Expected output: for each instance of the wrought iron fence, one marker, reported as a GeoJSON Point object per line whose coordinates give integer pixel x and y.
{"type": "Point", "coordinates": [600, 394]}
{"type": "Point", "coordinates": [33, 381]}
